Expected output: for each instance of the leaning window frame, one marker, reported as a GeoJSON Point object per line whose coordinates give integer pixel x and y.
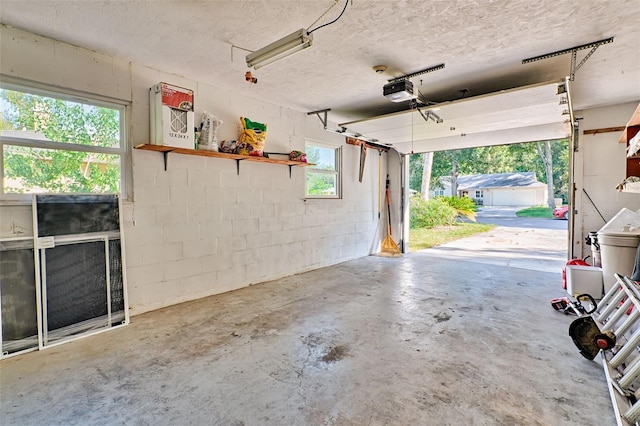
{"type": "Point", "coordinates": [40, 89]}
{"type": "Point", "coordinates": [338, 172]}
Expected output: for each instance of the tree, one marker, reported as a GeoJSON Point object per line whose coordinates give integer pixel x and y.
{"type": "Point", "coordinates": [416, 164]}
{"type": "Point", "coordinates": [319, 183]}
{"type": "Point", "coordinates": [544, 151]}
{"type": "Point", "coordinates": [426, 174]}
{"type": "Point", "coordinates": [455, 168]}
{"type": "Point", "coordinates": [522, 157]}
{"type": "Point", "coordinates": [5, 124]}
{"type": "Point", "coordinates": [560, 152]}
{"type": "Point", "coordinates": [58, 170]}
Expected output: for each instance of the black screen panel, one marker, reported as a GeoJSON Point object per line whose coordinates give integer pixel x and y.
{"type": "Point", "coordinates": [18, 297]}
{"type": "Point", "coordinates": [76, 283]}
{"type": "Point", "coordinates": [77, 214]}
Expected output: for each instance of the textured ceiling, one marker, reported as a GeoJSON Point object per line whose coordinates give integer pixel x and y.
{"type": "Point", "coordinates": [481, 43]}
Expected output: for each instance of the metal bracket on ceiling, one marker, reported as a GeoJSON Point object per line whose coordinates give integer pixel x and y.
{"type": "Point", "coordinates": [323, 119]}
{"type": "Point", "coordinates": [429, 114]}
{"type": "Point", "coordinates": [373, 143]}
{"type": "Point", "coordinates": [417, 73]}
{"type": "Point", "coordinates": [574, 53]}
{"type": "Point", "coordinates": [565, 88]}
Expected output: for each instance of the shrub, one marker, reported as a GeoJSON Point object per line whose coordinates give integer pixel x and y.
{"type": "Point", "coordinates": [427, 214]}
{"type": "Point", "coordinates": [464, 206]}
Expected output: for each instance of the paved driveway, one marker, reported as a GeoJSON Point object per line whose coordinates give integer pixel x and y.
{"type": "Point", "coordinates": [526, 243]}
{"type": "Point", "coordinates": [506, 216]}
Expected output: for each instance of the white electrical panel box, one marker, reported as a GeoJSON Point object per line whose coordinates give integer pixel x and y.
{"type": "Point", "coordinates": [172, 116]}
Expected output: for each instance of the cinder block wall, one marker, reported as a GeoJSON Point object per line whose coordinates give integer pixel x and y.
{"type": "Point", "coordinates": [199, 228]}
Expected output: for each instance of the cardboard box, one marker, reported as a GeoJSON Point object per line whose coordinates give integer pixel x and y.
{"type": "Point", "coordinates": [172, 116]}
{"type": "Point", "coordinates": [584, 279]}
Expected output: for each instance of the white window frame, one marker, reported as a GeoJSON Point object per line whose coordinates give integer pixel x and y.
{"type": "Point", "coordinates": [338, 172]}
{"type": "Point", "coordinates": [479, 194]}
{"type": "Point", "coordinates": [39, 89]}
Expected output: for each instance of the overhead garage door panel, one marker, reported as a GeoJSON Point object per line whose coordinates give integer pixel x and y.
{"type": "Point", "coordinates": [526, 114]}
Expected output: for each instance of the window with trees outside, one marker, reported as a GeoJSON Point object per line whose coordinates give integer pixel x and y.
{"type": "Point", "coordinates": [324, 178]}
{"type": "Point", "coordinates": [54, 142]}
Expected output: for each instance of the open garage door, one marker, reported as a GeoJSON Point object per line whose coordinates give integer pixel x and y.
{"type": "Point", "coordinates": [525, 114]}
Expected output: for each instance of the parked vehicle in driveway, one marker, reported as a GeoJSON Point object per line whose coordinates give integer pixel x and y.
{"type": "Point", "coordinates": [561, 212]}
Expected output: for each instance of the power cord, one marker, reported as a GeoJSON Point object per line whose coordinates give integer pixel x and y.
{"type": "Point", "coordinates": [329, 23]}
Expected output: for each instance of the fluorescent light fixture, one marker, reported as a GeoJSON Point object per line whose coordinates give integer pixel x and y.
{"type": "Point", "coordinates": [286, 46]}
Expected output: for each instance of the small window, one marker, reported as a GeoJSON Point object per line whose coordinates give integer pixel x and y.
{"type": "Point", "coordinates": [324, 178]}
{"type": "Point", "coordinates": [478, 194]}
{"type": "Point", "coordinates": [54, 142]}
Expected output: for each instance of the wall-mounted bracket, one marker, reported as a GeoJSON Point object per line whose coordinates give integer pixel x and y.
{"type": "Point", "coordinates": [323, 118]}
{"type": "Point", "coordinates": [238, 160]}
{"type": "Point", "coordinates": [574, 54]}
{"type": "Point", "coordinates": [165, 154]}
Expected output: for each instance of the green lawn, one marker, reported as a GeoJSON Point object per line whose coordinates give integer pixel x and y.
{"type": "Point", "coordinates": [422, 238]}
{"type": "Point", "coordinates": [537, 211]}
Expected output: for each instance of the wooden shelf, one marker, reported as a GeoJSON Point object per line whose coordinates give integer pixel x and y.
{"type": "Point", "coordinates": [202, 153]}
{"type": "Point", "coordinates": [633, 163]}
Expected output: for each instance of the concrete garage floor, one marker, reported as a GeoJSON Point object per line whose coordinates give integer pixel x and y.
{"type": "Point", "coordinates": [419, 340]}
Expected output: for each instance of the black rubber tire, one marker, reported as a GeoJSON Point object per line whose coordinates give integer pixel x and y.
{"type": "Point", "coordinates": [565, 216]}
